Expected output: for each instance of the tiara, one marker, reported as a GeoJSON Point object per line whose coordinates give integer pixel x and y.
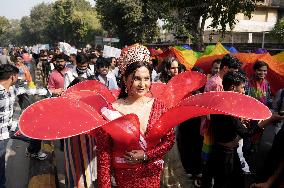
{"type": "Point", "coordinates": [133, 54]}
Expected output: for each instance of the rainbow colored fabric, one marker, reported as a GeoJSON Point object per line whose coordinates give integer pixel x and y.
{"type": "Point", "coordinates": [80, 165]}
{"type": "Point", "coordinates": [207, 143]}
{"type": "Point", "coordinates": [279, 57]}
{"type": "Point", "coordinates": [189, 58]}
{"type": "Point", "coordinates": [259, 91]}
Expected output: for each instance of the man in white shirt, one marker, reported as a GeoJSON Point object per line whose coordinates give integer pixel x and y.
{"type": "Point", "coordinates": [104, 74]}
{"type": "Point", "coordinates": [8, 77]}
{"type": "Point", "coordinates": [80, 70]}
{"type": "Point", "coordinates": [113, 68]}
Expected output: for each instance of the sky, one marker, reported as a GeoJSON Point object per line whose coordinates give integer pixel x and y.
{"type": "Point", "coordinates": [16, 9]}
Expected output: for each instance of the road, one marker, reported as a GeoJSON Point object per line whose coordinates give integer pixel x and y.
{"type": "Point", "coordinates": [17, 164]}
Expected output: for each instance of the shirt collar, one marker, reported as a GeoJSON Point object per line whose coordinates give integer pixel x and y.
{"type": "Point", "coordinates": [3, 88]}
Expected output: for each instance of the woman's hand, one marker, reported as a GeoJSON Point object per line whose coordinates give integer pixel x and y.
{"type": "Point", "coordinates": [135, 156]}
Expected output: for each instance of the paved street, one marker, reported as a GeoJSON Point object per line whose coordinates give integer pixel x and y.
{"type": "Point", "coordinates": [29, 173]}
{"type": "Point", "coordinates": [17, 164]}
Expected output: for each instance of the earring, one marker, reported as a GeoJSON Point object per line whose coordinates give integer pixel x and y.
{"type": "Point", "coordinates": [125, 90]}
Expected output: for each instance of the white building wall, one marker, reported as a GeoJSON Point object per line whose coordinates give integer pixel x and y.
{"type": "Point", "coordinates": [261, 20]}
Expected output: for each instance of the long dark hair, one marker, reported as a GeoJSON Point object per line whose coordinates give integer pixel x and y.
{"type": "Point", "coordinates": [132, 68]}
{"type": "Point", "coordinates": [165, 68]}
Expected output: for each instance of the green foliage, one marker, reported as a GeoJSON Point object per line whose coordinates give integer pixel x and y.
{"type": "Point", "coordinates": [135, 20]}
{"type": "Point", "coordinates": [131, 21]}
{"type": "Point", "coordinates": [184, 16]}
{"type": "Point", "coordinates": [82, 5]}
{"type": "Point", "coordinates": [73, 21]}
{"type": "Point", "coordinates": [278, 30]}
{"type": "Point", "coordinates": [4, 25]}
{"type": "Point", "coordinates": [5, 28]}
{"type": "Point", "coordinates": [60, 22]}
{"type": "Point", "coordinates": [34, 27]}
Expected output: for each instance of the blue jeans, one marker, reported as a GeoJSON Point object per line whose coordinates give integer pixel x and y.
{"type": "Point", "coordinates": [3, 144]}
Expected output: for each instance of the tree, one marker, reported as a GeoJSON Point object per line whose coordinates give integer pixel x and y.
{"type": "Point", "coordinates": [60, 21]}
{"type": "Point", "coordinates": [40, 16]}
{"type": "Point", "coordinates": [26, 37]}
{"type": "Point", "coordinates": [4, 26]}
{"type": "Point", "coordinates": [34, 27]}
{"type": "Point", "coordinates": [188, 17]}
{"type": "Point", "coordinates": [135, 21]}
{"type": "Point", "coordinates": [132, 21]}
{"type": "Point", "coordinates": [278, 30]}
{"type": "Point", "coordinates": [73, 21]}
{"type": "Point", "coordinates": [13, 35]}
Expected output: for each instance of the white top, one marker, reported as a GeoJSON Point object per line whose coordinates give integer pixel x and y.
{"type": "Point", "coordinates": [114, 71]}
{"type": "Point", "coordinates": [111, 81]}
{"type": "Point", "coordinates": [70, 75]}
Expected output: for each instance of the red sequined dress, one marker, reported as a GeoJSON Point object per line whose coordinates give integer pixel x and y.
{"type": "Point", "coordinates": [143, 175]}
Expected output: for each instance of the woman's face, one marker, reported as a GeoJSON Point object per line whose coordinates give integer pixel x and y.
{"type": "Point", "coordinates": [19, 61]}
{"type": "Point", "coordinates": [139, 84]}
{"type": "Point", "coordinates": [261, 72]}
{"type": "Point", "coordinates": [174, 68]}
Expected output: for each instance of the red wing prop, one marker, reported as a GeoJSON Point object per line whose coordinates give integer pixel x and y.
{"type": "Point", "coordinates": [91, 85]}
{"type": "Point", "coordinates": [158, 90]}
{"type": "Point", "coordinates": [178, 87]}
{"type": "Point", "coordinates": [63, 117]}
{"type": "Point", "coordinates": [57, 118]}
{"type": "Point", "coordinates": [230, 103]}
{"type": "Point", "coordinates": [91, 98]}
{"type": "Point", "coordinates": [125, 130]}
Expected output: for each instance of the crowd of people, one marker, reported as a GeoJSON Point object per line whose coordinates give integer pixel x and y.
{"type": "Point", "coordinates": [215, 151]}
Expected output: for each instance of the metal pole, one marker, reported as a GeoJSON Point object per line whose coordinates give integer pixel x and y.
{"type": "Point", "coordinates": [263, 38]}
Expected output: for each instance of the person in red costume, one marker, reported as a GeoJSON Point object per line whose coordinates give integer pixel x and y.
{"type": "Point", "coordinates": [135, 131]}
{"type": "Point", "coordinates": [139, 167]}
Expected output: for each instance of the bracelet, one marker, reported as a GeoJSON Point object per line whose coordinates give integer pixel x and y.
{"type": "Point", "coordinates": [144, 157]}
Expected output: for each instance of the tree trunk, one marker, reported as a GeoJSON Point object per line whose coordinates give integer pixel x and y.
{"type": "Point", "coordinates": [197, 35]}
{"type": "Point", "coordinates": [196, 29]}
{"type": "Point", "coordinates": [201, 33]}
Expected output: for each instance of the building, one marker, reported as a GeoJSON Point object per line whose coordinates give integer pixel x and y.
{"type": "Point", "coordinates": [253, 30]}
{"type": "Point", "coordinates": [250, 30]}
